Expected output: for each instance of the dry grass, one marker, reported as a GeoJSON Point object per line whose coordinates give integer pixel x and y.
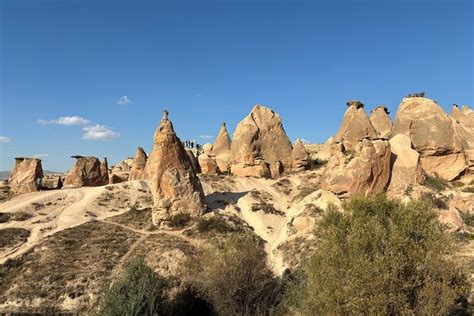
{"type": "Point", "coordinates": [136, 219]}
{"type": "Point", "coordinates": [11, 237]}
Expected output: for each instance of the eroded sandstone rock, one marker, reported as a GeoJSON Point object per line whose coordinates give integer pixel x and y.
{"type": "Point", "coordinates": [301, 158]}
{"type": "Point", "coordinates": [363, 171]}
{"type": "Point", "coordinates": [463, 120]}
{"type": "Point", "coordinates": [175, 186]}
{"type": "Point", "coordinates": [433, 136]}
{"type": "Point", "coordinates": [355, 126]}
{"type": "Point", "coordinates": [87, 171]}
{"type": "Point", "coordinates": [24, 175]}
{"type": "Point", "coordinates": [138, 164]}
{"type": "Point", "coordinates": [381, 121]}
{"type": "Point", "coordinates": [260, 139]}
{"type": "Point", "coordinates": [222, 149]}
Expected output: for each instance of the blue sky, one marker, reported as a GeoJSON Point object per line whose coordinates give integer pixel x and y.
{"type": "Point", "coordinates": [66, 67]}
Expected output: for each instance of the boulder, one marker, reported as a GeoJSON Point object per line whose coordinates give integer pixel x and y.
{"type": "Point", "coordinates": [433, 136]}
{"type": "Point", "coordinates": [87, 171]}
{"type": "Point", "coordinates": [119, 177]}
{"type": "Point", "coordinates": [24, 175]}
{"type": "Point", "coordinates": [175, 186]}
{"type": "Point", "coordinates": [362, 171]}
{"type": "Point", "coordinates": [258, 169]}
{"type": "Point", "coordinates": [222, 149]}
{"type": "Point", "coordinates": [463, 121]}
{"type": "Point", "coordinates": [300, 157]}
{"type": "Point", "coordinates": [208, 164]}
{"type": "Point", "coordinates": [381, 121]}
{"type": "Point", "coordinates": [405, 164]}
{"type": "Point", "coordinates": [138, 164]}
{"type": "Point", "coordinates": [260, 137]}
{"type": "Point", "coordinates": [355, 126]}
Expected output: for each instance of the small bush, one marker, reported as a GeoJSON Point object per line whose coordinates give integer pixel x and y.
{"type": "Point", "coordinates": [139, 291]}
{"type": "Point", "coordinates": [381, 257]}
{"type": "Point", "coordinates": [180, 220]}
{"type": "Point", "coordinates": [267, 208]}
{"type": "Point", "coordinates": [438, 202]}
{"type": "Point", "coordinates": [217, 224]}
{"type": "Point", "coordinates": [234, 278]}
{"type": "Point", "coordinates": [317, 163]}
{"type": "Point", "coordinates": [4, 217]}
{"type": "Point", "coordinates": [468, 189]}
{"type": "Point", "coordinates": [435, 183]}
{"type": "Point", "coordinates": [467, 218]}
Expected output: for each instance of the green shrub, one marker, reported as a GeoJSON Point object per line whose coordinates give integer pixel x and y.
{"type": "Point", "coordinates": [217, 224]}
{"type": "Point", "coordinates": [180, 220]}
{"type": "Point", "coordinates": [381, 257]}
{"type": "Point", "coordinates": [234, 278]}
{"type": "Point", "coordinates": [139, 291]}
{"type": "Point", "coordinates": [317, 163]}
{"type": "Point", "coordinates": [435, 183]}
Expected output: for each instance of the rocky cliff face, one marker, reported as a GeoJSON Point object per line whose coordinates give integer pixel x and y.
{"type": "Point", "coordinates": [463, 120]}
{"type": "Point", "coordinates": [87, 171]}
{"type": "Point", "coordinates": [433, 136]}
{"type": "Point", "coordinates": [24, 175]}
{"type": "Point", "coordinates": [174, 184]}
{"type": "Point", "coordinates": [381, 121]}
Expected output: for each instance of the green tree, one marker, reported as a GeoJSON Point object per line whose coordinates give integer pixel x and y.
{"type": "Point", "coordinates": [381, 257]}
{"type": "Point", "coordinates": [139, 291]}
{"type": "Point", "coordinates": [233, 276]}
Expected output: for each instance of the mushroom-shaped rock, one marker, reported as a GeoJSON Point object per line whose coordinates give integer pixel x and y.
{"type": "Point", "coordinates": [432, 135]}
{"type": "Point", "coordinates": [221, 149]}
{"type": "Point", "coordinates": [174, 184]}
{"type": "Point", "coordinates": [355, 126]}
{"type": "Point", "coordinates": [463, 120]}
{"type": "Point", "coordinates": [405, 165]}
{"type": "Point", "coordinates": [25, 174]}
{"type": "Point", "coordinates": [85, 172]}
{"type": "Point", "coordinates": [363, 171]}
{"type": "Point", "coordinates": [381, 121]}
{"type": "Point", "coordinates": [260, 139]}
{"type": "Point", "coordinates": [300, 157]}
{"type": "Point", "coordinates": [138, 164]}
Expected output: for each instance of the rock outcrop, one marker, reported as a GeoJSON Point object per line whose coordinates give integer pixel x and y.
{"type": "Point", "coordinates": [175, 186]}
{"type": "Point", "coordinates": [405, 165]}
{"type": "Point", "coordinates": [362, 171]}
{"type": "Point", "coordinates": [463, 121]}
{"type": "Point", "coordinates": [355, 126]}
{"type": "Point", "coordinates": [87, 172]}
{"type": "Point", "coordinates": [24, 175]}
{"type": "Point", "coordinates": [259, 144]}
{"type": "Point", "coordinates": [433, 136]}
{"type": "Point", "coordinates": [207, 161]}
{"type": "Point", "coordinates": [138, 164]}
{"type": "Point", "coordinates": [381, 121]}
{"type": "Point", "coordinates": [222, 149]}
{"type": "Point", "coordinates": [300, 157]}
{"type": "Point", "coordinates": [194, 162]}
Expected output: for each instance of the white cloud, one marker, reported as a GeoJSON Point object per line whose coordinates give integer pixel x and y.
{"type": "Point", "coordinates": [66, 120]}
{"type": "Point", "coordinates": [206, 136]}
{"type": "Point", "coordinates": [4, 139]}
{"type": "Point", "coordinates": [124, 101]}
{"type": "Point", "coordinates": [99, 132]}
{"type": "Point", "coordinates": [306, 141]}
{"type": "Point", "coordinates": [40, 155]}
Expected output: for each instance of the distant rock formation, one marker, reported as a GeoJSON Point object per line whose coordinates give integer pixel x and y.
{"type": "Point", "coordinates": [362, 171]}
{"type": "Point", "coordinates": [175, 186]}
{"type": "Point", "coordinates": [104, 171]}
{"type": "Point", "coordinates": [433, 136]}
{"type": "Point", "coordinates": [24, 175]}
{"type": "Point", "coordinates": [300, 157]}
{"type": "Point", "coordinates": [260, 146]}
{"type": "Point", "coordinates": [207, 161]}
{"type": "Point", "coordinates": [355, 126]}
{"type": "Point", "coordinates": [405, 165]}
{"type": "Point", "coordinates": [88, 172]}
{"type": "Point", "coordinates": [222, 149]}
{"type": "Point", "coordinates": [381, 121]}
{"type": "Point", "coordinates": [138, 164]}
{"type": "Point", "coordinates": [463, 121]}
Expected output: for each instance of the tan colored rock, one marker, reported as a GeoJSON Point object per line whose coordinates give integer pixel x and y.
{"type": "Point", "coordinates": [138, 164]}
{"type": "Point", "coordinates": [355, 126]}
{"type": "Point", "coordinates": [194, 161]}
{"type": "Point", "coordinates": [119, 177]}
{"type": "Point", "coordinates": [208, 164]}
{"type": "Point", "coordinates": [260, 136]}
{"type": "Point", "coordinates": [451, 218]}
{"type": "Point", "coordinates": [433, 136]}
{"type": "Point", "coordinates": [175, 186]}
{"type": "Point", "coordinates": [85, 172]}
{"type": "Point", "coordinates": [300, 157]}
{"type": "Point", "coordinates": [405, 164]}
{"type": "Point", "coordinates": [123, 166]}
{"type": "Point", "coordinates": [259, 169]}
{"type": "Point", "coordinates": [104, 171]}
{"type": "Point", "coordinates": [381, 121]}
{"type": "Point", "coordinates": [463, 121]}
{"type": "Point", "coordinates": [363, 171]}
{"type": "Point", "coordinates": [222, 149]}
{"type": "Point", "coordinates": [24, 175]}
{"type": "Point", "coordinates": [207, 148]}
